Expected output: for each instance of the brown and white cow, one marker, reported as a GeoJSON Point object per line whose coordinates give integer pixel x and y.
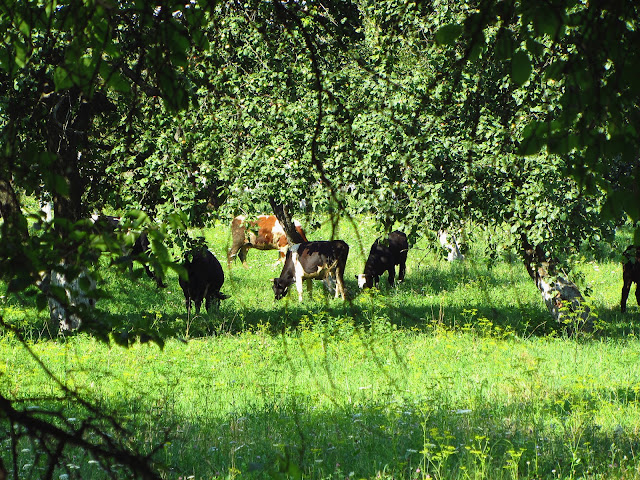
{"type": "Point", "coordinates": [310, 261]}
{"type": "Point", "coordinates": [263, 233]}
{"type": "Point", "coordinates": [630, 275]}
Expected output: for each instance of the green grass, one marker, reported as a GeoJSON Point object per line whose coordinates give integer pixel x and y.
{"type": "Point", "coordinates": [455, 374]}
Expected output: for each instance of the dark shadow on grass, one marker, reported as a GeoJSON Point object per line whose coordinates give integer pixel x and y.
{"type": "Point", "coordinates": [136, 309]}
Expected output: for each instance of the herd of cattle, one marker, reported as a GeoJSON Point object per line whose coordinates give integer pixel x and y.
{"type": "Point", "coordinates": [303, 262]}
{"type": "Point", "coordinates": [313, 260]}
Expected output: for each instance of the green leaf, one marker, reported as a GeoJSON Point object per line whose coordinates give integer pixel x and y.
{"type": "Point", "coordinates": [562, 144]}
{"type": "Point", "coordinates": [41, 301]}
{"type": "Point", "coordinates": [533, 138]}
{"type": "Point", "coordinates": [504, 45]}
{"type": "Point", "coordinates": [61, 79]}
{"type": "Point", "coordinates": [556, 70]}
{"type": "Point", "coordinates": [520, 67]}
{"type": "Point", "coordinates": [25, 29]}
{"type": "Point", "coordinates": [536, 48]}
{"type": "Point", "coordinates": [60, 185]}
{"type": "Point", "coordinates": [118, 83]}
{"type": "Point", "coordinates": [448, 34]}
{"type": "Point", "coordinates": [547, 22]}
{"type": "Point", "coordinates": [22, 53]}
{"type": "Point", "coordinates": [5, 59]}
{"type": "Point", "coordinates": [50, 7]}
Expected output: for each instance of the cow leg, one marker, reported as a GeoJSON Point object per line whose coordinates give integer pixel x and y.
{"type": "Point", "coordinates": [392, 275]}
{"type": "Point", "coordinates": [154, 276]}
{"type": "Point", "coordinates": [339, 285]}
{"type": "Point", "coordinates": [281, 255]}
{"type": "Point", "coordinates": [231, 254]}
{"type": "Point", "coordinates": [211, 301]}
{"type": "Point", "coordinates": [330, 283]}
{"type": "Point", "coordinates": [148, 271]}
{"type": "Point", "coordinates": [625, 294]}
{"type": "Point", "coordinates": [159, 282]}
{"type": "Point", "coordinates": [242, 255]}
{"type": "Point", "coordinates": [309, 288]}
{"type": "Point", "coordinates": [299, 287]}
{"type": "Point", "coordinates": [402, 269]}
{"type": "Point", "coordinates": [638, 293]}
{"type": "Point", "coordinates": [187, 302]}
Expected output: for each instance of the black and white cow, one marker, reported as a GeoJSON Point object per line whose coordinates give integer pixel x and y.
{"type": "Point", "coordinates": [383, 257]}
{"type": "Point", "coordinates": [322, 260]}
{"type": "Point", "coordinates": [630, 275]}
{"type": "Point", "coordinates": [204, 279]}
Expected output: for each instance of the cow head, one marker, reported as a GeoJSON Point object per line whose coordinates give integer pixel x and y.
{"type": "Point", "coordinates": [280, 288]}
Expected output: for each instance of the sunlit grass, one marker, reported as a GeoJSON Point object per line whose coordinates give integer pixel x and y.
{"type": "Point", "coordinates": [455, 374]}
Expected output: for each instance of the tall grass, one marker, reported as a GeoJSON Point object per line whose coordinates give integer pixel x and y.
{"type": "Point", "coordinates": [455, 374]}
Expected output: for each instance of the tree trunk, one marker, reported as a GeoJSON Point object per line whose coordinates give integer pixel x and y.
{"type": "Point", "coordinates": [561, 296]}
{"type": "Point", "coordinates": [78, 296]}
{"type": "Point", "coordinates": [282, 214]}
{"type": "Point", "coordinates": [16, 265]}
{"type": "Point", "coordinates": [68, 133]}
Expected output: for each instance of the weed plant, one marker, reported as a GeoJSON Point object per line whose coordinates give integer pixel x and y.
{"type": "Point", "coordinates": [457, 373]}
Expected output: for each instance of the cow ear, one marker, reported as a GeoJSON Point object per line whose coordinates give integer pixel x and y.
{"type": "Point", "coordinates": [273, 280]}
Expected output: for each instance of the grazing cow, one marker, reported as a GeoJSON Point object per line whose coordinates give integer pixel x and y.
{"type": "Point", "coordinates": [141, 249]}
{"type": "Point", "coordinates": [383, 257]}
{"type": "Point", "coordinates": [630, 274]}
{"type": "Point", "coordinates": [450, 243]}
{"type": "Point", "coordinates": [309, 261]}
{"type": "Point", "coordinates": [264, 233]}
{"type": "Point", "coordinates": [204, 279]}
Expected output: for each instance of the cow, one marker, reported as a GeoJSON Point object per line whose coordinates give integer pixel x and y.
{"type": "Point", "coordinates": [140, 251]}
{"type": "Point", "coordinates": [450, 243]}
{"type": "Point", "coordinates": [263, 233]}
{"type": "Point", "coordinates": [383, 257]}
{"type": "Point", "coordinates": [204, 279]}
{"type": "Point", "coordinates": [630, 274]}
{"type": "Point", "coordinates": [321, 260]}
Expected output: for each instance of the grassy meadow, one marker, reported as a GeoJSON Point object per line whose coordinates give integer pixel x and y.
{"type": "Point", "coordinates": [458, 373]}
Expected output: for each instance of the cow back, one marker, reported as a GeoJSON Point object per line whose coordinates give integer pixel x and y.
{"type": "Point", "coordinates": [398, 243]}
{"type": "Point", "coordinates": [312, 255]}
{"type": "Point", "coordinates": [631, 266]}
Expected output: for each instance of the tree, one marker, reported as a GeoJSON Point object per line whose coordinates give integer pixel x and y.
{"type": "Point", "coordinates": [63, 69]}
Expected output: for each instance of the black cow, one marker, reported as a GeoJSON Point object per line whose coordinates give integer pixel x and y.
{"type": "Point", "coordinates": [140, 249]}
{"type": "Point", "coordinates": [321, 260]}
{"type": "Point", "coordinates": [383, 257]}
{"type": "Point", "coordinates": [630, 274]}
{"type": "Point", "coordinates": [204, 279]}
